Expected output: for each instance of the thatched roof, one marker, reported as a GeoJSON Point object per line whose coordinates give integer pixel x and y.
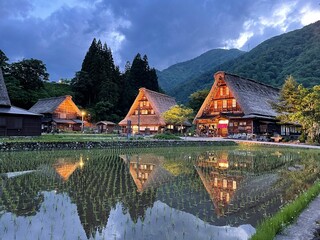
{"type": "Point", "coordinates": [49, 105]}
{"type": "Point", "coordinates": [16, 111]}
{"type": "Point", "coordinates": [4, 97]}
{"type": "Point", "coordinates": [158, 101]}
{"type": "Point", "coordinates": [253, 97]}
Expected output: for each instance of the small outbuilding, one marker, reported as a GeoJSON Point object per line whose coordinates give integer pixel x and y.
{"type": "Point", "coordinates": [106, 126]}
{"type": "Point", "coordinates": [16, 121]}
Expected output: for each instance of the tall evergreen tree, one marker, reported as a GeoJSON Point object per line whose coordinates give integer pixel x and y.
{"type": "Point", "coordinates": [97, 85]}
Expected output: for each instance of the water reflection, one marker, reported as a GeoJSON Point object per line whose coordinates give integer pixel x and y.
{"type": "Point", "coordinates": [146, 170]}
{"type": "Point", "coordinates": [190, 194]}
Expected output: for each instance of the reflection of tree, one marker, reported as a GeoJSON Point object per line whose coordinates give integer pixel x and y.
{"type": "Point", "coordinates": [22, 195]}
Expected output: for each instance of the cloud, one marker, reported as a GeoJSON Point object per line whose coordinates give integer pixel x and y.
{"type": "Point", "coordinates": [169, 31]}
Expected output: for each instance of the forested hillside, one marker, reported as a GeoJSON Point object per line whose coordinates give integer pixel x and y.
{"type": "Point", "coordinates": [182, 72]}
{"type": "Point", "coordinates": [296, 53]}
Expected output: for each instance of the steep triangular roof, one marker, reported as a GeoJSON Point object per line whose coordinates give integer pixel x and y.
{"type": "Point", "coordinates": [253, 97]}
{"type": "Point", "coordinates": [49, 105]}
{"type": "Point", "coordinates": [4, 97]}
{"type": "Point", "coordinates": [158, 101]}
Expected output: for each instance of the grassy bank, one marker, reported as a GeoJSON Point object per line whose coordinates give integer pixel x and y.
{"type": "Point", "coordinates": [271, 226]}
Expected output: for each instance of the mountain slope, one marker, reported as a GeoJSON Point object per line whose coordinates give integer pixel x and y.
{"type": "Point", "coordinates": [296, 53]}
{"type": "Point", "coordinates": [181, 72]}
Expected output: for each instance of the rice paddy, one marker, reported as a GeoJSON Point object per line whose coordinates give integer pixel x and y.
{"type": "Point", "coordinates": [163, 193]}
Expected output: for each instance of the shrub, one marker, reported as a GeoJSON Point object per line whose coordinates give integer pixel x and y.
{"type": "Point", "coordinates": [166, 136]}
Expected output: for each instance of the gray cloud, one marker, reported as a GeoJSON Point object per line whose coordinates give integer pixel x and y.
{"type": "Point", "coordinates": [168, 31]}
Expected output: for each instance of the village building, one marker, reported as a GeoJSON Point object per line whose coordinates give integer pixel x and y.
{"type": "Point", "coordinates": [237, 105]}
{"type": "Point", "coordinates": [145, 114]}
{"type": "Point", "coordinates": [16, 121]}
{"type": "Point", "coordinates": [106, 127]}
{"type": "Point", "coordinates": [59, 113]}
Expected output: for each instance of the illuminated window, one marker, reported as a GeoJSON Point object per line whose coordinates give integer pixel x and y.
{"type": "Point", "coordinates": [147, 103]}
{"type": "Point", "coordinates": [227, 91]}
{"type": "Point", "coordinates": [215, 103]}
{"type": "Point", "coordinates": [144, 112]}
{"type": "Point", "coordinates": [221, 195]}
{"type": "Point", "coordinates": [224, 103]}
{"type": "Point", "coordinates": [234, 103]}
{"type": "Point", "coordinates": [228, 197]}
{"type": "Point", "coordinates": [152, 111]}
{"type": "Point", "coordinates": [234, 185]}
{"type": "Point", "coordinates": [141, 104]}
{"type": "Point", "coordinates": [215, 183]}
{"type": "Point", "coordinates": [225, 183]}
{"type": "Point", "coordinates": [136, 112]}
{"type": "Point", "coordinates": [221, 91]}
{"type": "Point", "coordinates": [170, 127]}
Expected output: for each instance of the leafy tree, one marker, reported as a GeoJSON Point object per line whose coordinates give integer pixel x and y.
{"type": "Point", "coordinates": [178, 115]}
{"type": "Point", "coordinates": [3, 59]}
{"type": "Point", "coordinates": [197, 98]}
{"type": "Point", "coordinates": [300, 105]}
{"type": "Point", "coordinates": [31, 73]}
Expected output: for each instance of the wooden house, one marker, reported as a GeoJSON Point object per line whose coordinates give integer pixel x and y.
{"type": "Point", "coordinates": [16, 121]}
{"type": "Point", "coordinates": [58, 113]}
{"type": "Point", "coordinates": [106, 126]}
{"type": "Point", "coordinates": [237, 105]}
{"type": "Point", "coordinates": [145, 114]}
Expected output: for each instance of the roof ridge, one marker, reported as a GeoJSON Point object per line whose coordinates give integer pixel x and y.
{"type": "Point", "coordinates": [51, 98]}
{"type": "Point", "coordinates": [252, 80]}
{"type": "Point", "coordinates": [154, 92]}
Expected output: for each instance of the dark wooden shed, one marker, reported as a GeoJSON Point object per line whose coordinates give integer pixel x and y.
{"type": "Point", "coordinates": [16, 121]}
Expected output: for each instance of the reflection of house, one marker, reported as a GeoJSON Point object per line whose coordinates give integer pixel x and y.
{"type": "Point", "coordinates": [220, 185]}
{"type": "Point", "coordinates": [146, 170]}
{"type": "Point", "coordinates": [65, 169]}
{"type": "Point", "coordinates": [59, 113]}
{"type": "Point", "coordinates": [237, 105]}
{"type": "Point", "coordinates": [146, 112]}
{"type": "Point", "coordinates": [16, 121]}
{"type": "Point", "coordinates": [105, 126]}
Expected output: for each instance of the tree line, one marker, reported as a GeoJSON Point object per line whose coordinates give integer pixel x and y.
{"type": "Point", "coordinates": [99, 87]}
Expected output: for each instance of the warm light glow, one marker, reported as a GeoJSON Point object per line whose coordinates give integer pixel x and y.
{"type": "Point", "coordinates": [83, 113]}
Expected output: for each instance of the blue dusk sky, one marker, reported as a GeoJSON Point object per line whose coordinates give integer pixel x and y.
{"type": "Point", "coordinates": [60, 32]}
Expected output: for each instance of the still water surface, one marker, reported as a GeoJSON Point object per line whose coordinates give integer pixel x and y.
{"type": "Point", "coordinates": [165, 193]}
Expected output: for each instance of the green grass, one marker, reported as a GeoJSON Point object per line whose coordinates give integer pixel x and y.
{"type": "Point", "coordinates": [64, 137]}
{"type": "Point", "coordinates": [166, 136]}
{"type": "Point", "coordinates": [272, 226]}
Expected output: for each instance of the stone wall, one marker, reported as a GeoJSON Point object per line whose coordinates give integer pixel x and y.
{"type": "Point", "coordinates": [34, 146]}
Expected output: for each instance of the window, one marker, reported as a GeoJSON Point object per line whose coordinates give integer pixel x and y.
{"type": "Point", "coordinates": [224, 103]}
{"type": "Point", "coordinates": [221, 91]}
{"type": "Point", "coordinates": [136, 112]}
{"type": "Point", "coordinates": [215, 104]}
{"type": "Point", "coordinates": [225, 183]}
{"type": "Point", "coordinates": [227, 91]}
{"type": "Point", "coordinates": [63, 115]}
{"type": "Point", "coordinates": [144, 112]}
{"type": "Point", "coordinates": [234, 185]}
{"type": "Point", "coordinates": [235, 124]}
{"type": "Point", "coordinates": [215, 183]}
{"type": "Point", "coordinates": [234, 103]}
{"type": "Point", "coordinates": [152, 111]}
{"type": "Point", "coordinates": [230, 124]}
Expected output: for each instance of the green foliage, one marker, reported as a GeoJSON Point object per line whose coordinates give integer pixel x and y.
{"type": "Point", "coordinates": [166, 136]}
{"type": "Point", "coordinates": [295, 53]}
{"type": "Point", "coordinates": [197, 98]}
{"type": "Point", "coordinates": [300, 105]}
{"type": "Point", "coordinates": [177, 115]}
{"type": "Point", "coordinates": [181, 72]}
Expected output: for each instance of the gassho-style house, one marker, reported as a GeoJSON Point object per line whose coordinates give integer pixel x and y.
{"type": "Point", "coordinates": [145, 114]}
{"type": "Point", "coordinates": [237, 105]}
{"type": "Point", "coordinates": [58, 113]}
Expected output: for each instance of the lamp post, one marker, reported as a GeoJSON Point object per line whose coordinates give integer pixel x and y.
{"type": "Point", "coordinates": [82, 123]}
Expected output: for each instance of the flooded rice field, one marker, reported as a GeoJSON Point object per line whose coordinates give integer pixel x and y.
{"type": "Point", "coordinates": [163, 193]}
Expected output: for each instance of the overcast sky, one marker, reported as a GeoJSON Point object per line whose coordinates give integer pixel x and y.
{"type": "Point", "coordinates": [59, 32]}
